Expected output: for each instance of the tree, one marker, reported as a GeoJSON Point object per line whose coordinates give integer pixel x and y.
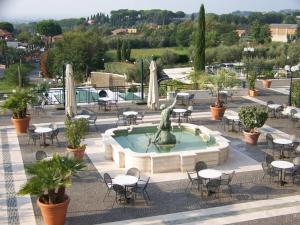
{"type": "Point", "coordinates": [261, 33]}
{"type": "Point", "coordinates": [82, 49]}
{"type": "Point", "coordinates": [7, 26]}
{"type": "Point", "coordinates": [3, 48]}
{"type": "Point", "coordinates": [24, 36]}
{"type": "Point", "coordinates": [119, 46]}
{"type": "Point", "coordinates": [123, 51]}
{"type": "Point", "coordinates": [298, 32]}
{"type": "Point", "coordinates": [199, 58]}
{"type": "Point", "coordinates": [48, 28]}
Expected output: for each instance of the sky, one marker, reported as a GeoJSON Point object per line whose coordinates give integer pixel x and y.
{"type": "Point", "coordinates": [58, 9]}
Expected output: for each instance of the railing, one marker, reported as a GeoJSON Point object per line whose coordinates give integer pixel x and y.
{"type": "Point", "coordinates": [91, 94]}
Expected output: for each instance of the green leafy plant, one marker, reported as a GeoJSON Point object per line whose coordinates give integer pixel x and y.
{"type": "Point", "coordinates": [75, 132]}
{"type": "Point", "coordinates": [253, 117]}
{"type": "Point", "coordinates": [268, 74]}
{"type": "Point", "coordinates": [223, 79]}
{"type": "Point", "coordinates": [17, 103]}
{"type": "Point", "coordinates": [251, 80]}
{"type": "Point", "coordinates": [49, 178]}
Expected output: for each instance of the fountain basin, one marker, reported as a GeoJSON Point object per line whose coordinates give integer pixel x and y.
{"type": "Point", "coordinates": [130, 147]}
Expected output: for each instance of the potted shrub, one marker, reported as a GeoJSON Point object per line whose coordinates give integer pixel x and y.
{"type": "Point", "coordinates": [224, 79]}
{"type": "Point", "coordinates": [251, 85]}
{"type": "Point", "coordinates": [75, 133]}
{"type": "Point", "coordinates": [252, 117]}
{"type": "Point", "coordinates": [48, 181]}
{"type": "Point", "coordinates": [266, 79]}
{"type": "Point", "coordinates": [17, 103]}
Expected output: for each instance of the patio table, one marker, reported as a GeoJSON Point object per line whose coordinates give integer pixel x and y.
{"type": "Point", "coordinates": [130, 116]}
{"type": "Point", "coordinates": [210, 173]}
{"type": "Point", "coordinates": [282, 142]}
{"type": "Point", "coordinates": [43, 131]}
{"type": "Point", "coordinates": [282, 165]}
{"type": "Point", "coordinates": [82, 117]}
{"type": "Point", "coordinates": [126, 181]}
{"type": "Point", "coordinates": [297, 115]}
{"type": "Point", "coordinates": [274, 106]}
{"type": "Point", "coordinates": [179, 111]}
{"type": "Point", "coordinates": [106, 101]}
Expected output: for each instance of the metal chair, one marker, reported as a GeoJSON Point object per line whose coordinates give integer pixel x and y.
{"type": "Point", "coordinates": [269, 159]}
{"type": "Point", "coordinates": [121, 120]}
{"type": "Point", "coordinates": [120, 194]}
{"type": "Point", "coordinates": [200, 165]}
{"type": "Point", "coordinates": [213, 187]}
{"type": "Point", "coordinates": [140, 116]}
{"type": "Point", "coordinates": [191, 99]}
{"type": "Point", "coordinates": [33, 136]}
{"type": "Point", "coordinates": [141, 189]}
{"type": "Point", "coordinates": [226, 180]}
{"type": "Point", "coordinates": [40, 155]}
{"type": "Point", "coordinates": [109, 184]}
{"type": "Point", "coordinates": [92, 121]}
{"type": "Point", "coordinates": [53, 134]}
{"type": "Point", "coordinates": [194, 180]}
{"type": "Point", "coordinates": [134, 172]}
{"type": "Point", "coordinates": [226, 123]}
{"type": "Point", "coordinates": [187, 116]}
{"type": "Point", "coordinates": [269, 171]}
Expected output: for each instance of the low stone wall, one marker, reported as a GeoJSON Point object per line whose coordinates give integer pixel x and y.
{"type": "Point", "coordinates": [101, 79]}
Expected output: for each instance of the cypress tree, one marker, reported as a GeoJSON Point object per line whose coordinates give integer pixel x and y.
{"type": "Point", "coordinates": [128, 51]}
{"type": "Point", "coordinates": [199, 60]}
{"type": "Point", "coordinates": [119, 45]}
{"type": "Point", "coordinates": [123, 50]}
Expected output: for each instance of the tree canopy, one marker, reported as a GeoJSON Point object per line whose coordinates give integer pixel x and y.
{"type": "Point", "coordinates": [7, 26]}
{"type": "Point", "coordinates": [48, 28]}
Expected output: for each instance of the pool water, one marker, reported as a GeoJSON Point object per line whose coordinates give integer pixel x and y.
{"type": "Point", "coordinates": [140, 142]}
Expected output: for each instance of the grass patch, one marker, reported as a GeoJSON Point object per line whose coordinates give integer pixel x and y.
{"type": "Point", "coordinates": [147, 52]}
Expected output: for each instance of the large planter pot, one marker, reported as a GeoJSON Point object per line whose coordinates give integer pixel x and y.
{"type": "Point", "coordinates": [78, 153]}
{"type": "Point", "coordinates": [251, 138]}
{"type": "Point", "coordinates": [21, 125]}
{"type": "Point", "coordinates": [252, 93]}
{"type": "Point", "coordinates": [54, 214]}
{"type": "Point", "coordinates": [266, 83]}
{"type": "Point", "coordinates": [217, 113]}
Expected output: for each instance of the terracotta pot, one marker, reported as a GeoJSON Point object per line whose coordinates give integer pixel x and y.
{"type": "Point", "coordinates": [251, 138]}
{"type": "Point", "coordinates": [217, 113]}
{"type": "Point", "coordinates": [54, 214]}
{"type": "Point", "coordinates": [252, 93]}
{"type": "Point", "coordinates": [77, 152]}
{"type": "Point", "coordinates": [21, 125]}
{"type": "Point", "coordinates": [266, 83]}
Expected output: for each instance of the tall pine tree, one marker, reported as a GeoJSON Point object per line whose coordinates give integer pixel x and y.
{"type": "Point", "coordinates": [199, 60]}
{"type": "Point", "coordinates": [119, 46]}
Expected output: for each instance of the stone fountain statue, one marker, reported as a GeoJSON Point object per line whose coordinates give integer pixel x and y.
{"type": "Point", "coordinates": [163, 135]}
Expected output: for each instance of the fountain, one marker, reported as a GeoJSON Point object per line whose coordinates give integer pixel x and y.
{"type": "Point", "coordinates": [164, 147]}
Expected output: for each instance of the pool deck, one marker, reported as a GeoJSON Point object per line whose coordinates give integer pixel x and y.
{"type": "Point", "coordinates": [254, 201]}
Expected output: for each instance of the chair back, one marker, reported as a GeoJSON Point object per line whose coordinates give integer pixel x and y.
{"type": "Point", "coordinates": [265, 167]}
{"type": "Point", "coordinates": [231, 176]}
{"type": "Point", "coordinates": [200, 165]}
{"type": "Point", "coordinates": [102, 94]}
{"type": "Point", "coordinates": [134, 172]}
{"type": "Point", "coordinates": [107, 179]}
{"type": "Point", "coordinates": [40, 155]}
{"type": "Point", "coordinates": [213, 185]}
{"type": "Point", "coordinates": [293, 112]}
{"type": "Point", "coordinates": [270, 102]}
{"type": "Point", "coordinates": [85, 112]}
{"type": "Point", "coordinates": [296, 161]}
{"type": "Point", "coordinates": [192, 96]}
{"type": "Point", "coordinates": [269, 159]}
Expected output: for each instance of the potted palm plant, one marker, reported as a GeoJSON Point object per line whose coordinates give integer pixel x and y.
{"type": "Point", "coordinates": [223, 79]}
{"type": "Point", "coordinates": [48, 181]}
{"type": "Point", "coordinates": [75, 133]}
{"type": "Point", "coordinates": [252, 117]}
{"type": "Point", "coordinates": [251, 84]}
{"type": "Point", "coordinates": [17, 103]}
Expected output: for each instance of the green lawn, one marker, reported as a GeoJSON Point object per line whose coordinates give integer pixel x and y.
{"type": "Point", "coordinates": [148, 52]}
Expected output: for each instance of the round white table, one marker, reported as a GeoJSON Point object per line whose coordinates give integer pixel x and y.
{"type": "Point", "coordinates": [282, 165]}
{"type": "Point", "coordinates": [210, 173]}
{"type": "Point", "coordinates": [179, 111]}
{"type": "Point", "coordinates": [43, 131]}
{"type": "Point", "coordinates": [130, 113]}
{"type": "Point", "coordinates": [282, 142]}
{"type": "Point", "coordinates": [125, 180]}
{"type": "Point", "coordinates": [274, 106]}
{"type": "Point", "coordinates": [82, 117]}
{"type": "Point", "coordinates": [105, 99]}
